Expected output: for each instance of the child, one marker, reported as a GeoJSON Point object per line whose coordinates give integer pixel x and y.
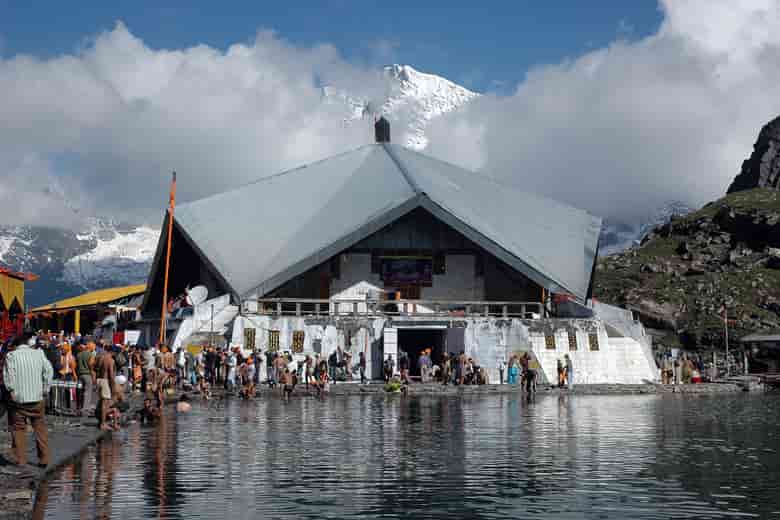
{"type": "Point", "coordinates": [113, 418]}
{"type": "Point", "coordinates": [205, 388]}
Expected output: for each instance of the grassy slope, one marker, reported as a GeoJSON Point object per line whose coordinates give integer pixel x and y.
{"type": "Point", "coordinates": [629, 286]}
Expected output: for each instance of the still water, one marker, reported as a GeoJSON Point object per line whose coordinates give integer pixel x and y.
{"type": "Point", "coordinates": [436, 457]}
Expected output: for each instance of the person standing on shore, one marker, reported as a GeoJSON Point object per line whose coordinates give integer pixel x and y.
{"type": "Point", "coordinates": [362, 367]}
{"type": "Point", "coordinates": [403, 366]}
{"type": "Point", "coordinates": [105, 371]}
{"type": "Point", "coordinates": [231, 362]}
{"type": "Point", "coordinates": [85, 368]}
{"type": "Point", "coordinates": [561, 374]}
{"type": "Point", "coordinates": [27, 375]}
{"type": "Point", "coordinates": [279, 364]}
{"type": "Point", "coordinates": [460, 368]}
{"type": "Point", "coordinates": [569, 372]}
{"type": "Point", "coordinates": [388, 367]}
{"type": "Point", "coordinates": [424, 364]}
{"type": "Point", "coordinates": [287, 384]}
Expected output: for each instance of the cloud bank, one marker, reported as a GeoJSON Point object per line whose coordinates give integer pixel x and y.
{"type": "Point", "coordinates": [101, 130]}
{"type": "Point", "coordinates": [623, 129]}
{"type": "Point", "coordinates": [616, 131]}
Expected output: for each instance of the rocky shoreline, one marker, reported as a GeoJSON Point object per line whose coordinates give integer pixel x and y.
{"type": "Point", "coordinates": [70, 436]}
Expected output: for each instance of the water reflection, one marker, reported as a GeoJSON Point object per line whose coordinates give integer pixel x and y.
{"type": "Point", "coordinates": [476, 457]}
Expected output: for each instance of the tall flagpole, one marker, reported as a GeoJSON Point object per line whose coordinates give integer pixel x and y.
{"type": "Point", "coordinates": [171, 206]}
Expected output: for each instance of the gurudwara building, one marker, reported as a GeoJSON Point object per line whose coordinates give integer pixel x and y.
{"type": "Point", "coordinates": [383, 249]}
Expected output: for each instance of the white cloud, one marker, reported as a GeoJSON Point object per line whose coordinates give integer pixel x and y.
{"type": "Point", "coordinates": [625, 128]}
{"type": "Point", "coordinates": [111, 122]}
{"type": "Point", "coordinates": [617, 131]}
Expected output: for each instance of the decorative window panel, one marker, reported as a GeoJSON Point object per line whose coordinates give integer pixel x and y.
{"type": "Point", "coordinates": [572, 340]}
{"type": "Point", "coordinates": [297, 341]}
{"type": "Point", "coordinates": [249, 338]}
{"type": "Point", "coordinates": [273, 340]}
{"type": "Point", "coordinates": [549, 341]}
{"type": "Point", "coordinates": [593, 341]}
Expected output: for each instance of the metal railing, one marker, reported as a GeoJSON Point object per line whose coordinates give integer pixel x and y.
{"type": "Point", "coordinates": [64, 398]}
{"type": "Point", "coordinates": [401, 308]}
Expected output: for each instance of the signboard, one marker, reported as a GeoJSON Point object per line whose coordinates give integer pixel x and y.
{"type": "Point", "coordinates": [390, 344]}
{"type": "Point", "coordinates": [407, 271]}
{"type": "Point", "coordinates": [132, 337]}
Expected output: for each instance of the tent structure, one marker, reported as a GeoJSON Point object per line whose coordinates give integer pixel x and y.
{"type": "Point", "coordinates": [259, 236]}
{"type": "Point", "coordinates": [87, 308]}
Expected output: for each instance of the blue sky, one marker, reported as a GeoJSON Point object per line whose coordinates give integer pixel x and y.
{"type": "Point", "coordinates": [486, 46]}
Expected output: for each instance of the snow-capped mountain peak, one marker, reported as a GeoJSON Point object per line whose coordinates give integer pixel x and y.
{"type": "Point", "coordinates": [411, 98]}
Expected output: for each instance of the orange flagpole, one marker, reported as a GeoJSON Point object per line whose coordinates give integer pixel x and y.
{"type": "Point", "coordinates": [171, 206]}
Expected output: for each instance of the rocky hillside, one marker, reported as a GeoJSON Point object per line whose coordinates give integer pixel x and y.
{"type": "Point", "coordinates": [762, 168]}
{"type": "Point", "coordinates": [683, 272]}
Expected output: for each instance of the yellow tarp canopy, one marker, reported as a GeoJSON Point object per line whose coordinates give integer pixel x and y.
{"type": "Point", "coordinates": [93, 298]}
{"type": "Point", "coordinates": [11, 288]}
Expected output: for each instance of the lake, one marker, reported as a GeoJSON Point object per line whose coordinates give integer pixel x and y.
{"type": "Point", "coordinates": [495, 456]}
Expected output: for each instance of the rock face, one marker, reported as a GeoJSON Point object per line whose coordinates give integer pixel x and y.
{"type": "Point", "coordinates": [684, 272]}
{"type": "Point", "coordinates": [762, 169]}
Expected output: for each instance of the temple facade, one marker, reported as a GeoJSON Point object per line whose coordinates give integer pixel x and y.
{"type": "Point", "coordinates": [383, 250]}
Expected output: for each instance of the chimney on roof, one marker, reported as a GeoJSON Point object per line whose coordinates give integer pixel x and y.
{"type": "Point", "coordinates": [382, 130]}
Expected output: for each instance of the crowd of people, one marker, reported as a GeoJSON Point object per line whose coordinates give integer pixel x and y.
{"type": "Point", "coordinates": [91, 377]}
{"type": "Point", "coordinates": [455, 369]}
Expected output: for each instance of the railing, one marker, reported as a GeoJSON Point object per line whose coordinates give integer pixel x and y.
{"type": "Point", "coordinates": [64, 398]}
{"type": "Point", "coordinates": [402, 308]}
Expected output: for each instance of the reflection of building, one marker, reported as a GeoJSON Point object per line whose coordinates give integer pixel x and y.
{"type": "Point", "coordinates": [12, 301]}
{"type": "Point", "coordinates": [384, 249]}
{"type": "Point", "coordinates": [103, 311]}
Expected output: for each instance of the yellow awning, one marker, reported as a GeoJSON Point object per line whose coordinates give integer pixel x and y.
{"type": "Point", "coordinates": [11, 289]}
{"type": "Point", "coordinates": [93, 298]}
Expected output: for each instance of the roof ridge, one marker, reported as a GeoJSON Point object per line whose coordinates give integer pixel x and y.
{"type": "Point", "coordinates": [407, 176]}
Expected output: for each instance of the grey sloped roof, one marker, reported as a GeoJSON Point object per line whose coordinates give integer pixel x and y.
{"type": "Point", "coordinates": [263, 234]}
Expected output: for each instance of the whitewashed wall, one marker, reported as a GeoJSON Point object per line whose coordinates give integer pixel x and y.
{"type": "Point", "coordinates": [618, 360]}
{"type": "Point", "coordinates": [328, 335]}
{"type": "Point", "coordinates": [487, 340]}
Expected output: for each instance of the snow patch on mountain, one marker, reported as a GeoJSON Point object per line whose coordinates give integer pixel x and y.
{"type": "Point", "coordinates": [119, 256]}
{"type": "Point", "coordinates": [618, 236]}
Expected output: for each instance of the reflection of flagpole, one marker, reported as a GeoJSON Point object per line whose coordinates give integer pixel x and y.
{"type": "Point", "coordinates": [171, 206]}
{"type": "Point", "coordinates": [726, 331]}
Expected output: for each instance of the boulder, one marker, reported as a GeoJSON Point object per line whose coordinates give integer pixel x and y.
{"type": "Point", "coordinates": [773, 258]}
{"type": "Point", "coordinates": [696, 270]}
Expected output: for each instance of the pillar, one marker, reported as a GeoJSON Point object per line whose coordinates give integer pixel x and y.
{"type": "Point", "coordinates": [77, 322]}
